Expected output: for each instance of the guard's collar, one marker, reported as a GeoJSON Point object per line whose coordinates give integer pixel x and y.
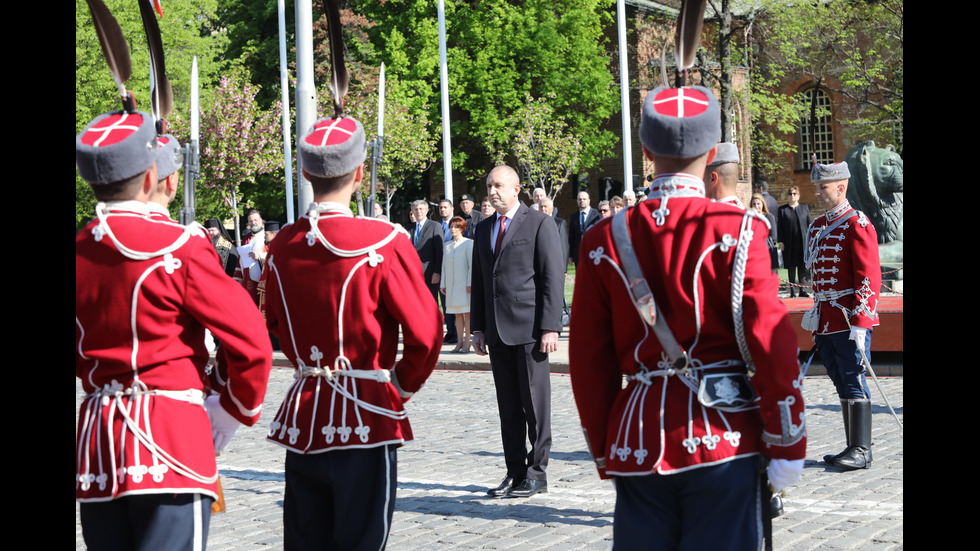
{"type": "Point", "coordinates": [138, 207]}
{"type": "Point", "coordinates": [331, 208]}
{"type": "Point", "coordinates": [838, 211]}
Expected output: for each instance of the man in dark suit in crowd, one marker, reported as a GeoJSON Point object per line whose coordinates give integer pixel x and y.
{"type": "Point", "coordinates": [427, 237]}
{"type": "Point", "coordinates": [516, 314]}
{"type": "Point", "coordinates": [472, 217]}
{"type": "Point", "coordinates": [580, 222]}
{"type": "Point", "coordinates": [445, 215]}
{"type": "Point", "coordinates": [762, 188]}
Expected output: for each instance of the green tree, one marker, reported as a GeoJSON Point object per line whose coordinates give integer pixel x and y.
{"type": "Point", "coordinates": [409, 144]}
{"type": "Point", "coordinates": [546, 152]}
{"type": "Point", "coordinates": [498, 52]}
{"type": "Point", "coordinates": [188, 28]}
{"type": "Point", "coordinates": [856, 47]}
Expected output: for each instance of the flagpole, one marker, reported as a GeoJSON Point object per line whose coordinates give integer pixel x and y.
{"type": "Point", "coordinates": [447, 156]}
{"type": "Point", "coordinates": [286, 128]}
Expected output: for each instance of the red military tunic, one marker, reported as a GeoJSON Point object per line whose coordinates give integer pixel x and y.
{"type": "Point", "coordinates": [688, 248]}
{"type": "Point", "coordinates": [842, 256]}
{"type": "Point", "coordinates": [145, 289]}
{"type": "Point", "coordinates": [336, 298]}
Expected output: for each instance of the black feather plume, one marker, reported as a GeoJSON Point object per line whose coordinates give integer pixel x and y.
{"type": "Point", "coordinates": [339, 79]}
{"type": "Point", "coordinates": [161, 95]}
{"type": "Point", "coordinates": [689, 23]}
{"type": "Point", "coordinates": [114, 45]}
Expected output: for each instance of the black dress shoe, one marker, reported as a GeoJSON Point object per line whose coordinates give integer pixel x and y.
{"type": "Point", "coordinates": [528, 488]}
{"type": "Point", "coordinates": [450, 340]}
{"type": "Point", "coordinates": [503, 489]}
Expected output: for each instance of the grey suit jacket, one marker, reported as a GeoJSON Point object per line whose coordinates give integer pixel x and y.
{"type": "Point", "coordinates": [430, 247]}
{"type": "Point", "coordinates": [518, 295]}
{"type": "Point", "coordinates": [563, 237]}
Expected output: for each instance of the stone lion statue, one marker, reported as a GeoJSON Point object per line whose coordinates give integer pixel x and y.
{"type": "Point", "coordinates": [876, 187]}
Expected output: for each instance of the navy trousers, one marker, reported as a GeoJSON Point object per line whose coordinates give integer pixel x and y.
{"type": "Point", "coordinates": [147, 522]}
{"type": "Point", "coordinates": [718, 508]}
{"type": "Point", "coordinates": [341, 499]}
{"type": "Point", "coordinates": [844, 365]}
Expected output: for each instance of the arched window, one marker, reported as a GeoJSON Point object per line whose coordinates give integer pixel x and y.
{"type": "Point", "coordinates": [823, 130]}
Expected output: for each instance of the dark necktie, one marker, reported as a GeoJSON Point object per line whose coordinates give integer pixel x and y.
{"type": "Point", "coordinates": [500, 236]}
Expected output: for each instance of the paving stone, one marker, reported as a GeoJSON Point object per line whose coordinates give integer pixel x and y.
{"type": "Point", "coordinates": [443, 476]}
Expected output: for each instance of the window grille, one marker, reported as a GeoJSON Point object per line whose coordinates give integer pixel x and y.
{"type": "Point", "coordinates": [823, 130]}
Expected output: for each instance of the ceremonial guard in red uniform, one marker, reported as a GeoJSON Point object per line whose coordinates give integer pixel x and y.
{"type": "Point", "coordinates": [337, 291]}
{"type": "Point", "coordinates": [842, 256]}
{"type": "Point", "coordinates": [169, 161]}
{"type": "Point", "coordinates": [721, 175]}
{"type": "Point", "coordinates": [675, 297]}
{"type": "Point", "coordinates": [145, 290]}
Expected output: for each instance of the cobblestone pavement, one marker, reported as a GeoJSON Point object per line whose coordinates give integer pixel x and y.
{"type": "Point", "coordinates": [443, 476]}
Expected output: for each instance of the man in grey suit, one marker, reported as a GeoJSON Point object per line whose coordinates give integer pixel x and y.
{"type": "Point", "coordinates": [428, 240]}
{"type": "Point", "coordinates": [548, 207]}
{"type": "Point", "coordinates": [516, 309]}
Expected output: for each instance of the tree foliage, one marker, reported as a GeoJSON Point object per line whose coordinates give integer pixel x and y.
{"type": "Point", "coordinates": [188, 28]}
{"type": "Point", "coordinates": [239, 141]}
{"type": "Point", "coordinates": [498, 52]}
{"type": "Point", "coordinates": [547, 153]}
{"type": "Point", "coordinates": [856, 47]}
{"type": "Point", "coordinates": [409, 142]}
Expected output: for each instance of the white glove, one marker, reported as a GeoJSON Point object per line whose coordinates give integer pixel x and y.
{"type": "Point", "coordinates": [784, 473]}
{"type": "Point", "coordinates": [223, 425]}
{"type": "Point", "coordinates": [859, 335]}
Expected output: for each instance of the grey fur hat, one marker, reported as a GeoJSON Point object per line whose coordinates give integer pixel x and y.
{"type": "Point", "coordinates": [727, 153]}
{"type": "Point", "coordinates": [169, 158]}
{"type": "Point", "coordinates": [829, 173]}
{"type": "Point", "coordinates": [115, 146]}
{"type": "Point", "coordinates": [333, 147]}
{"type": "Point", "coordinates": [680, 122]}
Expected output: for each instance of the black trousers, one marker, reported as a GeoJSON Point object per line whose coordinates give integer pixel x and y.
{"type": "Point", "coordinates": [341, 499]}
{"type": "Point", "coordinates": [522, 379]}
{"type": "Point", "coordinates": [147, 522]}
{"type": "Point", "coordinates": [449, 318]}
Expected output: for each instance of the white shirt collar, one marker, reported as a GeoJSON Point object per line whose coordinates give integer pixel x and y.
{"type": "Point", "coordinates": [512, 212]}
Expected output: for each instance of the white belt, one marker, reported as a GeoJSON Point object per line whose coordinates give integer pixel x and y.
{"type": "Point", "coordinates": [826, 296]}
{"type": "Point", "coordinates": [379, 375]}
{"type": "Point", "coordinates": [191, 395]}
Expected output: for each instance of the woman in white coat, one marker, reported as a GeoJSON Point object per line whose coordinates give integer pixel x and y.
{"type": "Point", "coordinates": [455, 282]}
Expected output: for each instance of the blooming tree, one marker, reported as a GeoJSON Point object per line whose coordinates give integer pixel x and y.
{"type": "Point", "coordinates": [238, 142]}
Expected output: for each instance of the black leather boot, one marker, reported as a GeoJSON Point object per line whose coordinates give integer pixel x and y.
{"type": "Point", "coordinates": [847, 436]}
{"type": "Point", "coordinates": [858, 453]}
